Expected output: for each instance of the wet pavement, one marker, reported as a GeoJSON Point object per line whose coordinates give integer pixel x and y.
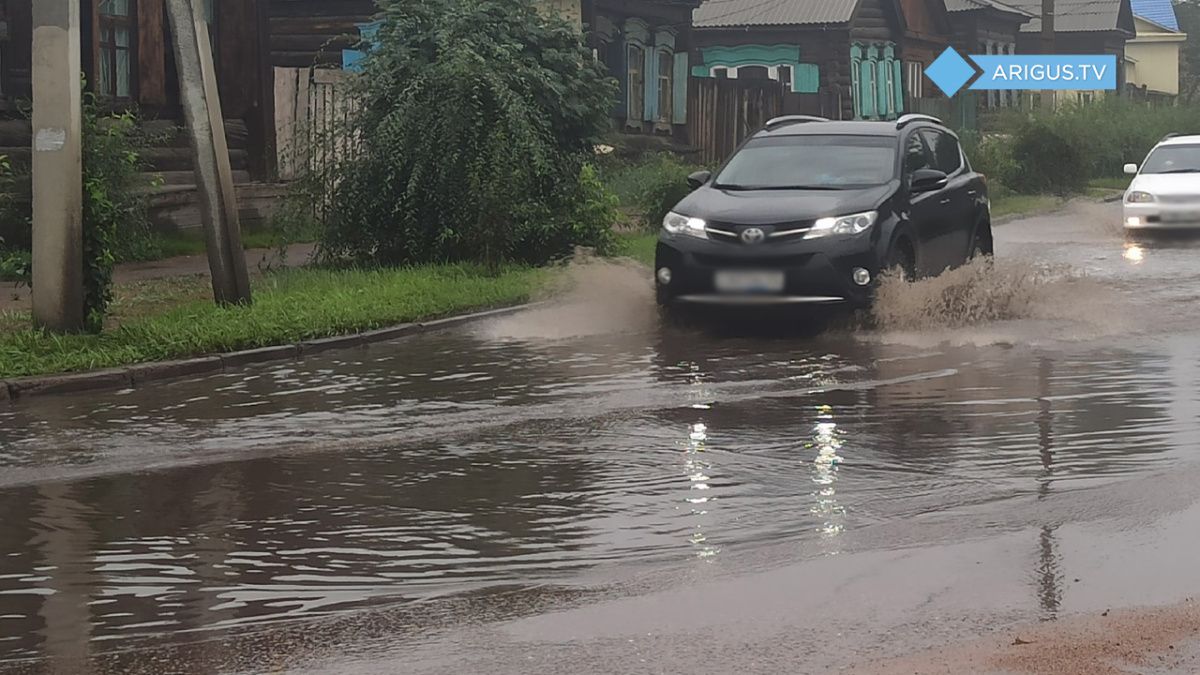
{"type": "Point", "coordinates": [585, 489]}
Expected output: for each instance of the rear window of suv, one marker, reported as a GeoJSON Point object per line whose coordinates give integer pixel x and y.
{"type": "Point", "coordinates": [811, 162]}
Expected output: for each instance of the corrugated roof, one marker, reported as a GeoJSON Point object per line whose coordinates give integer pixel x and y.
{"type": "Point", "coordinates": [1161, 12]}
{"type": "Point", "coordinates": [730, 13]}
{"type": "Point", "coordinates": [1074, 16]}
{"type": "Point", "coordinates": [970, 5]}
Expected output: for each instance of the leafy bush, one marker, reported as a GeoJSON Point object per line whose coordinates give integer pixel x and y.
{"type": "Point", "coordinates": [1098, 139]}
{"type": "Point", "coordinates": [477, 120]}
{"type": "Point", "coordinates": [116, 221]}
{"type": "Point", "coordinates": [1045, 161]}
{"type": "Point", "coordinates": [16, 266]}
{"type": "Point", "coordinates": [652, 186]}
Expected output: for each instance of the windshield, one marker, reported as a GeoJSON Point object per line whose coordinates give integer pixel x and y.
{"type": "Point", "coordinates": [1174, 159]}
{"type": "Point", "coordinates": [811, 162]}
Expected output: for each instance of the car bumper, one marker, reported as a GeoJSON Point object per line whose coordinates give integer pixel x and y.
{"type": "Point", "coordinates": [1157, 216]}
{"type": "Point", "coordinates": [815, 273]}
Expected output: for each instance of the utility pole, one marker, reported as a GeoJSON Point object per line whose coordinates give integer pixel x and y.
{"type": "Point", "coordinates": [1048, 46]}
{"type": "Point", "coordinates": [210, 152]}
{"type": "Point", "coordinates": [57, 167]}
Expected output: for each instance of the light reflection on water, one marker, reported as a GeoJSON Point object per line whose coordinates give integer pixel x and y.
{"type": "Point", "coordinates": [542, 463]}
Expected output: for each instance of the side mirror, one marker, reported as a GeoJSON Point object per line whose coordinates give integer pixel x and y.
{"type": "Point", "coordinates": [1131, 169]}
{"type": "Point", "coordinates": [928, 180]}
{"type": "Point", "coordinates": [699, 178]}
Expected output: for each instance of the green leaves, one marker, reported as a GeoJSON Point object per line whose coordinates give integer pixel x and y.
{"type": "Point", "coordinates": [476, 121]}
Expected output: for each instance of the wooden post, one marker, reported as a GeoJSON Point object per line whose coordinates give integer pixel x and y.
{"type": "Point", "coordinates": [1048, 96]}
{"type": "Point", "coordinates": [57, 167]}
{"type": "Point", "coordinates": [210, 152]}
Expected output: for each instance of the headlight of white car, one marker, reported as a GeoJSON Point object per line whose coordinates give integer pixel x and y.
{"type": "Point", "coordinates": [856, 223]}
{"type": "Point", "coordinates": [680, 224]}
{"type": "Point", "coordinates": [1139, 197]}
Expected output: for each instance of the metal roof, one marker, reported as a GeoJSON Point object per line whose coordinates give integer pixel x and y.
{"type": "Point", "coordinates": [1161, 12]}
{"type": "Point", "coordinates": [970, 5]}
{"type": "Point", "coordinates": [1074, 16]}
{"type": "Point", "coordinates": [730, 13]}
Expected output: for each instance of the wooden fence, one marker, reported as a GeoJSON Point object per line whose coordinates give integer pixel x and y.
{"type": "Point", "coordinates": [312, 108]}
{"type": "Point", "coordinates": [722, 113]}
{"type": "Point", "coordinates": [960, 112]}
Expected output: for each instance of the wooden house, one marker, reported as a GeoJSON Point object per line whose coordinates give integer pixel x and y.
{"type": "Point", "coordinates": [1081, 27]}
{"type": "Point", "coordinates": [646, 45]}
{"type": "Point", "coordinates": [842, 56]}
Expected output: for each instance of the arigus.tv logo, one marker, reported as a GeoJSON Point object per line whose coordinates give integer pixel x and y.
{"type": "Point", "coordinates": [1033, 72]}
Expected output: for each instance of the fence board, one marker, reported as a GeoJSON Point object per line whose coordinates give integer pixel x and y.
{"type": "Point", "coordinates": [723, 113]}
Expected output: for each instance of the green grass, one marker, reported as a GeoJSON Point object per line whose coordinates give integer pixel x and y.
{"type": "Point", "coordinates": [192, 242]}
{"type": "Point", "coordinates": [638, 246]}
{"type": "Point", "coordinates": [1110, 183]}
{"type": "Point", "coordinates": [1018, 205]}
{"type": "Point", "coordinates": [170, 319]}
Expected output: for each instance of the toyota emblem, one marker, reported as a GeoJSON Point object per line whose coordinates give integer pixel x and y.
{"type": "Point", "coordinates": [753, 235]}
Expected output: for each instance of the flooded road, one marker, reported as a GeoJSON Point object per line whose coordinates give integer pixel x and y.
{"type": "Point", "coordinates": [581, 488]}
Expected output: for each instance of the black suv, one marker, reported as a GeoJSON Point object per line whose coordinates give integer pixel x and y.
{"type": "Point", "coordinates": [809, 211]}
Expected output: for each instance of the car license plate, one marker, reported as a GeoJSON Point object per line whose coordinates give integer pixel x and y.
{"type": "Point", "coordinates": [1181, 216]}
{"type": "Point", "coordinates": [749, 281]}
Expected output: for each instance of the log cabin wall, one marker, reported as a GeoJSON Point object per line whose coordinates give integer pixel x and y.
{"type": "Point", "coordinates": [304, 33]}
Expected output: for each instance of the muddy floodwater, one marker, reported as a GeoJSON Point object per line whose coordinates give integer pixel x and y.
{"type": "Point", "coordinates": [582, 488]}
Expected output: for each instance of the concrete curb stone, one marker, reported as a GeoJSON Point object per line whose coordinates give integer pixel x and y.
{"type": "Point", "coordinates": [162, 370]}
{"type": "Point", "coordinates": [117, 378]}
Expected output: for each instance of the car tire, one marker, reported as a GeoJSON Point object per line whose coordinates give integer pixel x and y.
{"type": "Point", "coordinates": [900, 257]}
{"type": "Point", "coordinates": [981, 245]}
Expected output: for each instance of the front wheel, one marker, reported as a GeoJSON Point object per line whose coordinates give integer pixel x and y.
{"type": "Point", "coordinates": [900, 260]}
{"type": "Point", "coordinates": [981, 244]}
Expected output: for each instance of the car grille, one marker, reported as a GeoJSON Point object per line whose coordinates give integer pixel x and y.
{"type": "Point", "coordinates": [780, 232]}
{"type": "Point", "coordinates": [767, 261]}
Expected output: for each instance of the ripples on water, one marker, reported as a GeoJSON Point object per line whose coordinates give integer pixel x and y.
{"type": "Point", "coordinates": [459, 461]}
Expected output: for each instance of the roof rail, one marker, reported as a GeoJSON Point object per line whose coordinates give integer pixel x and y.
{"type": "Point", "coordinates": [1169, 137]}
{"type": "Point", "coordinates": [793, 119]}
{"type": "Point", "coordinates": [905, 120]}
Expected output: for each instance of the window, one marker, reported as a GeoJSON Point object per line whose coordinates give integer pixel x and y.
{"type": "Point", "coordinates": [916, 155]}
{"type": "Point", "coordinates": [947, 157]}
{"type": "Point", "coordinates": [812, 161]}
{"type": "Point", "coordinates": [637, 82]}
{"type": "Point", "coordinates": [114, 62]}
{"type": "Point", "coordinates": [785, 76]}
{"type": "Point", "coordinates": [210, 16]}
{"type": "Point", "coordinates": [915, 74]}
{"type": "Point", "coordinates": [666, 85]}
{"type": "Point", "coordinates": [754, 73]}
{"type": "Point", "coordinates": [720, 73]}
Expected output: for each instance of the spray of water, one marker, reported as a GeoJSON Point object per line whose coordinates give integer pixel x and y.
{"type": "Point", "coordinates": [990, 291]}
{"type": "Point", "coordinates": [592, 296]}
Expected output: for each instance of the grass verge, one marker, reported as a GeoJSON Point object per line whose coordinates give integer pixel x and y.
{"type": "Point", "coordinates": [637, 245]}
{"type": "Point", "coordinates": [1008, 205]}
{"type": "Point", "coordinates": [289, 306]}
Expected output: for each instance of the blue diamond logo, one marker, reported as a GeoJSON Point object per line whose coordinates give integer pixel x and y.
{"type": "Point", "coordinates": [950, 72]}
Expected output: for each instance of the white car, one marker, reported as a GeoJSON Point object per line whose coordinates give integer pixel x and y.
{"type": "Point", "coordinates": [1165, 192]}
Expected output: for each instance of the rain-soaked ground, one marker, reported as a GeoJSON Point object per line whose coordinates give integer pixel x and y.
{"type": "Point", "coordinates": [583, 489]}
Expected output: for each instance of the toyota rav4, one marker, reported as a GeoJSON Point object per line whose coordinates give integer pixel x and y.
{"type": "Point", "coordinates": [811, 211]}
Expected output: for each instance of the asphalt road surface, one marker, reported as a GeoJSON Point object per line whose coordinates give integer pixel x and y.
{"type": "Point", "coordinates": [998, 475]}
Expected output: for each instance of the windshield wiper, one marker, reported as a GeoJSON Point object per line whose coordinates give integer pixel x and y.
{"type": "Point", "coordinates": [748, 188]}
{"type": "Point", "coordinates": [1178, 171]}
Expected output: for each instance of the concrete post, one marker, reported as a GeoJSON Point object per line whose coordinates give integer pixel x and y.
{"type": "Point", "coordinates": [214, 175]}
{"type": "Point", "coordinates": [57, 167]}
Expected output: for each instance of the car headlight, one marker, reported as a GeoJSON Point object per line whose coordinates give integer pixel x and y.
{"type": "Point", "coordinates": [853, 224]}
{"type": "Point", "coordinates": [679, 224]}
{"type": "Point", "coordinates": [1139, 197]}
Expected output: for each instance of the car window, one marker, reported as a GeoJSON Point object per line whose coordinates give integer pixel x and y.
{"type": "Point", "coordinates": [947, 157]}
{"type": "Point", "coordinates": [916, 155]}
{"type": "Point", "coordinates": [811, 161]}
{"type": "Point", "coordinates": [1173, 159]}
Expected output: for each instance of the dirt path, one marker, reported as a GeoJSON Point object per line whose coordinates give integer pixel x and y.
{"type": "Point", "coordinates": [15, 297]}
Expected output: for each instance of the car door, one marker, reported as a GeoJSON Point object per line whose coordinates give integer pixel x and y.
{"type": "Point", "coordinates": [927, 212]}
{"type": "Point", "coordinates": [958, 226]}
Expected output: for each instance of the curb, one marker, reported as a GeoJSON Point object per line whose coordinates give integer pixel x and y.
{"type": "Point", "coordinates": [141, 373]}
